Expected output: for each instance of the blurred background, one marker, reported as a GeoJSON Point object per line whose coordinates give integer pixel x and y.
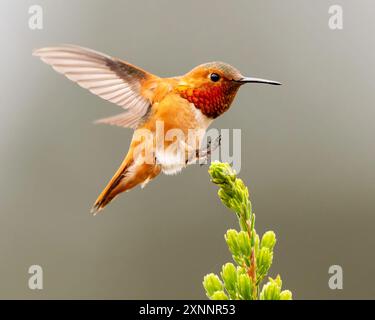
{"type": "Point", "coordinates": [307, 149]}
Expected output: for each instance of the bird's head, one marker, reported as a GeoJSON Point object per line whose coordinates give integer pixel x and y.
{"type": "Point", "coordinates": [212, 86]}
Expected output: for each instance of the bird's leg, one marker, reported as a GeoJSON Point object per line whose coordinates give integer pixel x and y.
{"type": "Point", "coordinates": [211, 147]}
{"type": "Point", "coordinates": [203, 155]}
{"type": "Point", "coordinates": [191, 154]}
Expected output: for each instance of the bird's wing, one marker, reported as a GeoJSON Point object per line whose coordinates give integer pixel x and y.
{"type": "Point", "coordinates": [110, 78]}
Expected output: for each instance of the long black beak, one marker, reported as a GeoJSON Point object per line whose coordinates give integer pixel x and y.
{"type": "Point", "coordinates": [257, 80]}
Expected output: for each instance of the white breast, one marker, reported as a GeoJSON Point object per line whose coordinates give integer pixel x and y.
{"type": "Point", "coordinates": [173, 160]}
{"type": "Point", "coordinates": [203, 121]}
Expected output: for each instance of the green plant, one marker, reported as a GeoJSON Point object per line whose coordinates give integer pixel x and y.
{"type": "Point", "coordinates": [253, 256]}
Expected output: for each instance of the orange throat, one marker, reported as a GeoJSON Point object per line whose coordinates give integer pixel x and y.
{"type": "Point", "coordinates": [211, 100]}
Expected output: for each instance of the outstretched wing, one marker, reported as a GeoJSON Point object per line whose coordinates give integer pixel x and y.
{"type": "Point", "coordinates": [110, 78]}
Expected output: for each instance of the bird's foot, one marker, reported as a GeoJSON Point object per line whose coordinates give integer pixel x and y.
{"type": "Point", "coordinates": [204, 155]}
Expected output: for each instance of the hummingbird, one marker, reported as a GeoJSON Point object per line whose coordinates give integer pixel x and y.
{"type": "Point", "coordinates": [188, 102]}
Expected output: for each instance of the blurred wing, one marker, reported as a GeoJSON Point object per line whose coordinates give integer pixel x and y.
{"type": "Point", "coordinates": [110, 78]}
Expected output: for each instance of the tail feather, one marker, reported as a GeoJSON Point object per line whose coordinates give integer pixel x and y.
{"type": "Point", "coordinates": [126, 177]}
{"type": "Point", "coordinates": [107, 195]}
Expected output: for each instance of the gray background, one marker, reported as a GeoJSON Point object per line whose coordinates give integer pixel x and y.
{"type": "Point", "coordinates": [307, 149]}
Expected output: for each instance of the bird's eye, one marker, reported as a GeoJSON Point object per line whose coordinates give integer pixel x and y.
{"type": "Point", "coordinates": [214, 77]}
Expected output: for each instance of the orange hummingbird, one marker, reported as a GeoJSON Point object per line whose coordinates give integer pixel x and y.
{"type": "Point", "coordinates": [188, 102]}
